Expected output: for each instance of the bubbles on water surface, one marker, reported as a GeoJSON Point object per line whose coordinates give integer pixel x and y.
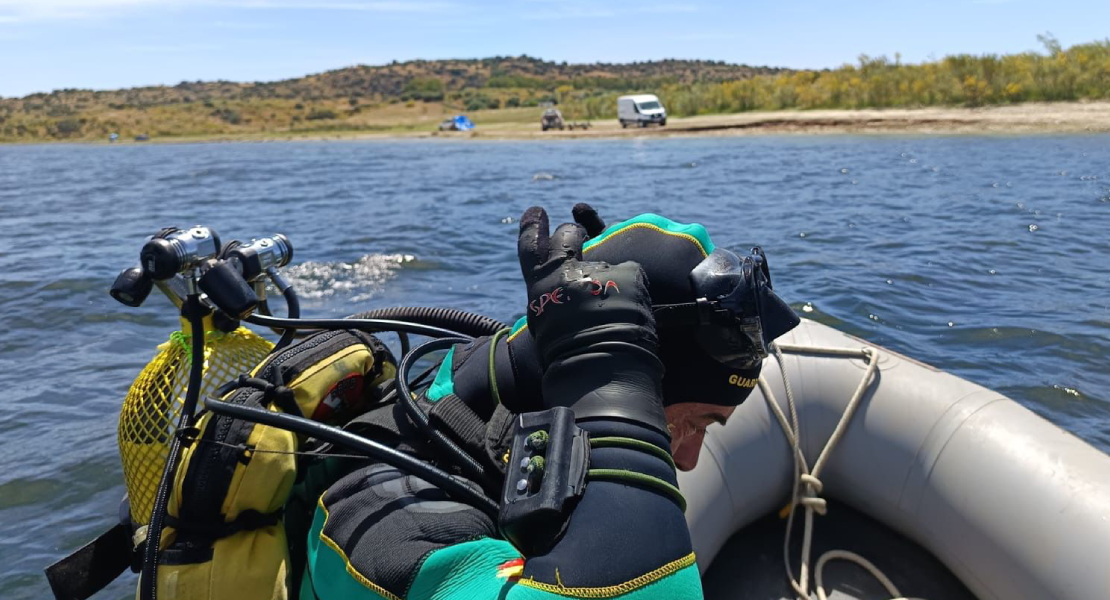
{"type": "Point", "coordinates": [1033, 227]}
{"type": "Point", "coordinates": [1067, 390]}
{"type": "Point", "coordinates": [360, 280]}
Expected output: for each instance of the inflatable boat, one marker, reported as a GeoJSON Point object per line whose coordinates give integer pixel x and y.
{"type": "Point", "coordinates": [941, 487]}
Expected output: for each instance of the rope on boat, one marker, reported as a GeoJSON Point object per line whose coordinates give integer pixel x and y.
{"type": "Point", "coordinates": [807, 486]}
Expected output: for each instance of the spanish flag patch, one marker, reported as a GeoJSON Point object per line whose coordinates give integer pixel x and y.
{"type": "Point", "coordinates": [511, 569]}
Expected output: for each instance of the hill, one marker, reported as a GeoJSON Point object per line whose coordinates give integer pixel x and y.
{"type": "Point", "coordinates": [414, 96]}
{"type": "Point", "coordinates": [476, 84]}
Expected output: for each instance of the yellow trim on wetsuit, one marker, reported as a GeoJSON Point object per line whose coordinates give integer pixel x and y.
{"type": "Point", "coordinates": [612, 591]}
{"type": "Point", "coordinates": [516, 333]}
{"type": "Point", "coordinates": [685, 236]}
{"type": "Point", "coordinates": [359, 577]}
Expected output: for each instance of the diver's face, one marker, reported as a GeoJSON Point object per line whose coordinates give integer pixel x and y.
{"type": "Point", "coordinates": [687, 422]}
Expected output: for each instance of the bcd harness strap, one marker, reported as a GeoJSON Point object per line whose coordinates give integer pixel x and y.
{"type": "Point", "coordinates": [248, 520]}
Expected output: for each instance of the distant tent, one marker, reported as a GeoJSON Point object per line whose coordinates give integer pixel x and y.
{"type": "Point", "coordinates": [463, 124]}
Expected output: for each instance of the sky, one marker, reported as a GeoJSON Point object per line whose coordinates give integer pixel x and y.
{"type": "Point", "coordinates": [109, 44]}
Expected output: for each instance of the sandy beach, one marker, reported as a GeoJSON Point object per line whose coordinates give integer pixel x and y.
{"type": "Point", "coordinates": [1029, 118]}
{"type": "Point", "coordinates": [523, 124]}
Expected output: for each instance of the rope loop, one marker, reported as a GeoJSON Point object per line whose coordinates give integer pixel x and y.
{"type": "Point", "coordinates": [807, 485]}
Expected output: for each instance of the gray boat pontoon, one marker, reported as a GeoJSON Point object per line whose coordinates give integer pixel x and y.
{"type": "Point", "coordinates": [951, 490]}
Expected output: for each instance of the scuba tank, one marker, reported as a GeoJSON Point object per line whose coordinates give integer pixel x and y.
{"type": "Point", "coordinates": [156, 424]}
{"type": "Point", "coordinates": [152, 407]}
{"type": "Point", "coordinates": [153, 404]}
{"type": "Point", "coordinates": [206, 492]}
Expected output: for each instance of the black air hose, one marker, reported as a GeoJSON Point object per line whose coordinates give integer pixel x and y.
{"type": "Point", "coordinates": [466, 323]}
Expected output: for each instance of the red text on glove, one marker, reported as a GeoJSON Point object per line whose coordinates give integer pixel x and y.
{"type": "Point", "coordinates": [597, 288]}
{"type": "Point", "coordinates": [555, 296]}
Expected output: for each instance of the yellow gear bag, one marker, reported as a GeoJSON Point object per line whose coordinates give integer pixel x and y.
{"type": "Point", "coordinates": [224, 536]}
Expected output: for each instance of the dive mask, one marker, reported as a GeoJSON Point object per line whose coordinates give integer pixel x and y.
{"type": "Point", "coordinates": [736, 315]}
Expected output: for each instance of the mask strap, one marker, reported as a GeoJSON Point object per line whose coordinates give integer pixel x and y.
{"type": "Point", "coordinates": [676, 315]}
{"type": "Point", "coordinates": [701, 312]}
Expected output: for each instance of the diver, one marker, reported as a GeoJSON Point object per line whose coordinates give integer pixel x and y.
{"type": "Point", "coordinates": [617, 331]}
{"type": "Point", "coordinates": [541, 461]}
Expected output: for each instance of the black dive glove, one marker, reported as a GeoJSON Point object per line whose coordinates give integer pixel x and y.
{"type": "Point", "coordinates": [595, 336]}
{"type": "Point", "coordinates": [593, 327]}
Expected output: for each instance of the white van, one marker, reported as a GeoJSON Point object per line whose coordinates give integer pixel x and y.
{"type": "Point", "coordinates": [641, 109]}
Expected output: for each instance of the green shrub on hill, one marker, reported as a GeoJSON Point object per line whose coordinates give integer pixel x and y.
{"type": "Point", "coordinates": [67, 127]}
{"type": "Point", "coordinates": [1081, 72]}
{"type": "Point", "coordinates": [228, 116]}
{"type": "Point", "coordinates": [428, 89]}
{"type": "Point", "coordinates": [319, 114]}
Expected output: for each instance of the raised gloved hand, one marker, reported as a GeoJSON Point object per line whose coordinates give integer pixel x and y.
{"type": "Point", "coordinates": [595, 336]}
{"type": "Point", "coordinates": [593, 327]}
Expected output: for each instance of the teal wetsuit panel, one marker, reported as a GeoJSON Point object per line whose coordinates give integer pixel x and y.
{"type": "Point", "coordinates": [469, 570]}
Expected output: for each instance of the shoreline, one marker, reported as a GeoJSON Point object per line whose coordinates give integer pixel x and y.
{"type": "Point", "coordinates": [1028, 118]}
{"type": "Point", "coordinates": [1018, 119]}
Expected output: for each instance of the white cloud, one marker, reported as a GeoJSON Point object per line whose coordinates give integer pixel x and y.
{"type": "Point", "coordinates": [571, 12]}
{"type": "Point", "coordinates": [51, 5]}
{"type": "Point", "coordinates": [31, 10]}
{"type": "Point", "coordinates": [569, 9]}
{"type": "Point", "coordinates": [380, 6]}
{"type": "Point", "coordinates": [14, 11]}
{"type": "Point", "coordinates": [242, 25]}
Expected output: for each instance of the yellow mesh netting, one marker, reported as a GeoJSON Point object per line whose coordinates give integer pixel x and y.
{"type": "Point", "coordinates": [152, 407]}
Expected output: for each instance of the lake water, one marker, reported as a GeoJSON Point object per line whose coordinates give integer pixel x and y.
{"type": "Point", "coordinates": [985, 256]}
